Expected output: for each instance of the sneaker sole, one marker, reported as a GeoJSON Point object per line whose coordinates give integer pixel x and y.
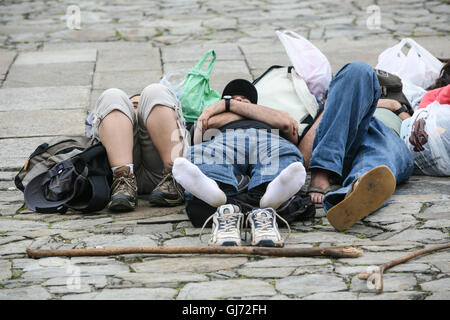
{"type": "Point", "coordinates": [226, 244]}
{"type": "Point", "coordinates": [372, 190]}
{"type": "Point", "coordinates": [122, 205]}
{"type": "Point", "coordinates": [269, 243]}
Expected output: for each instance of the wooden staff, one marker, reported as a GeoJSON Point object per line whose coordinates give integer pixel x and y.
{"type": "Point", "coordinates": [377, 275]}
{"type": "Point", "coordinates": [338, 252]}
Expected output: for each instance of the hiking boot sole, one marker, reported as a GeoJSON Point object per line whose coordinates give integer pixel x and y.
{"type": "Point", "coordinates": [164, 202]}
{"type": "Point", "coordinates": [122, 205]}
{"type": "Point", "coordinates": [373, 189]}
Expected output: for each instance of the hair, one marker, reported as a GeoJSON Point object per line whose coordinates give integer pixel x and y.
{"type": "Point", "coordinates": [444, 76]}
{"type": "Point", "coordinates": [134, 95]}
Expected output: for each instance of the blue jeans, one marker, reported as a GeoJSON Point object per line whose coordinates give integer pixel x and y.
{"type": "Point", "coordinates": [349, 141]}
{"type": "Point", "coordinates": [259, 154]}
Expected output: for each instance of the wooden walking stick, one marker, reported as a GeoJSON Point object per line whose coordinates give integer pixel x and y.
{"type": "Point", "coordinates": [337, 252]}
{"type": "Point", "coordinates": [377, 275]}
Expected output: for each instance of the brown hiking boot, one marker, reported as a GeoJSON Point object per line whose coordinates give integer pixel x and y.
{"type": "Point", "coordinates": [168, 193]}
{"type": "Point", "coordinates": [123, 190]}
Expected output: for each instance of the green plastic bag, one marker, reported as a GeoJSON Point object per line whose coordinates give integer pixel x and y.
{"type": "Point", "coordinates": [196, 94]}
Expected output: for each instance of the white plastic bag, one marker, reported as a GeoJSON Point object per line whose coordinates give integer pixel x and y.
{"type": "Point", "coordinates": [434, 160]}
{"type": "Point", "coordinates": [174, 80]}
{"type": "Point", "coordinates": [413, 93]}
{"type": "Point", "coordinates": [418, 66]}
{"type": "Point", "coordinates": [308, 61]}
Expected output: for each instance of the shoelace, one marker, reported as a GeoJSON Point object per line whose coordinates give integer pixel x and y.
{"type": "Point", "coordinates": [265, 222]}
{"type": "Point", "coordinates": [227, 222]}
{"type": "Point", "coordinates": [122, 183]}
{"type": "Point", "coordinates": [175, 183]}
{"type": "Point", "coordinates": [164, 179]}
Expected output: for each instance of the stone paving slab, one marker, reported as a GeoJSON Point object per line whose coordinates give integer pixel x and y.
{"type": "Point", "coordinates": [125, 79]}
{"type": "Point", "coordinates": [194, 52]}
{"type": "Point", "coordinates": [39, 98]}
{"type": "Point", "coordinates": [126, 59]}
{"type": "Point", "coordinates": [50, 75]}
{"type": "Point", "coordinates": [63, 123]}
{"type": "Point", "coordinates": [69, 56]}
{"type": "Point", "coordinates": [6, 59]}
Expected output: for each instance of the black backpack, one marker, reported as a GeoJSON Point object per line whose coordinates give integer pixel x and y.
{"type": "Point", "coordinates": [392, 88]}
{"type": "Point", "coordinates": [72, 173]}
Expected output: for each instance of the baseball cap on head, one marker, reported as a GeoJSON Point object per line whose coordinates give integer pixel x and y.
{"type": "Point", "coordinates": [241, 87]}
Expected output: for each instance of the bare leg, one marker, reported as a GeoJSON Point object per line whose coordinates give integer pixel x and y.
{"type": "Point", "coordinates": [116, 134]}
{"type": "Point", "coordinates": [163, 130]}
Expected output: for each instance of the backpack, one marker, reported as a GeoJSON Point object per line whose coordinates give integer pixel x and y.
{"type": "Point", "coordinates": [392, 88]}
{"type": "Point", "coordinates": [72, 173]}
{"type": "Point", "coordinates": [47, 155]}
{"type": "Point", "coordinates": [280, 88]}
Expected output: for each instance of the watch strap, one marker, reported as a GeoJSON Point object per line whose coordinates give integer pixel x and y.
{"type": "Point", "coordinates": [227, 104]}
{"type": "Point", "coordinates": [403, 108]}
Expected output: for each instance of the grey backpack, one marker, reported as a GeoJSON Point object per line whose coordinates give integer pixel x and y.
{"type": "Point", "coordinates": [47, 155]}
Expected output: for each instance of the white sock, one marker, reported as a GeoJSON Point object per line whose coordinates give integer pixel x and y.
{"type": "Point", "coordinates": [283, 187]}
{"type": "Point", "coordinates": [196, 182]}
{"type": "Point", "coordinates": [131, 165]}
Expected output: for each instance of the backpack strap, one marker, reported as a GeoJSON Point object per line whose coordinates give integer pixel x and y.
{"type": "Point", "coordinates": [100, 188]}
{"type": "Point", "coordinates": [100, 194]}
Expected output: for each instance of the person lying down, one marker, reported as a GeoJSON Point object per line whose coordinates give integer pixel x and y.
{"type": "Point", "coordinates": [256, 144]}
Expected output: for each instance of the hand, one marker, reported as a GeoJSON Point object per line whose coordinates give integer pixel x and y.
{"type": "Point", "coordinates": [294, 131]}
{"type": "Point", "coordinates": [198, 136]}
{"type": "Point", "coordinates": [389, 104]}
{"type": "Point", "coordinates": [291, 131]}
{"type": "Point", "coordinates": [209, 112]}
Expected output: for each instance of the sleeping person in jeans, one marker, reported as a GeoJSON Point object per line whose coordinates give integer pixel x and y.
{"type": "Point", "coordinates": [249, 140]}
{"type": "Point", "coordinates": [355, 160]}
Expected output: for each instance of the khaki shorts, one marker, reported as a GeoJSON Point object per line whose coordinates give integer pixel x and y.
{"type": "Point", "coordinates": [148, 166]}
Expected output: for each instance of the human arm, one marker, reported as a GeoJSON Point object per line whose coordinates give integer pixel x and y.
{"type": "Point", "coordinates": [393, 106]}
{"type": "Point", "coordinates": [306, 144]}
{"type": "Point", "coordinates": [217, 121]}
{"type": "Point", "coordinates": [275, 118]}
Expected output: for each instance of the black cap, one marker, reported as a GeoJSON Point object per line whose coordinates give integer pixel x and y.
{"type": "Point", "coordinates": [241, 87]}
{"type": "Point", "coordinates": [55, 187]}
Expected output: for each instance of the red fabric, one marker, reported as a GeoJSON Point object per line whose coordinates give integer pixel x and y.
{"type": "Point", "coordinates": [441, 95]}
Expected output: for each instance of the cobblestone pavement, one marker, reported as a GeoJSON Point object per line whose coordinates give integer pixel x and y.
{"type": "Point", "coordinates": [56, 74]}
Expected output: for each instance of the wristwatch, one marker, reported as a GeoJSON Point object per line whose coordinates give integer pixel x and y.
{"type": "Point", "coordinates": [403, 108]}
{"type": "Point", "coordinates": [227, 103]}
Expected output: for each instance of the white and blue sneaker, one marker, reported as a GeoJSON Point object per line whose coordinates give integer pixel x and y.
{"type": "Point", "coordinates": [264, 227]}
{"type": "Point", "coordinates": [226, 228]}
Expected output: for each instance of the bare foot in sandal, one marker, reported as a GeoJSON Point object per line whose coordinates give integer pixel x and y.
{"type": "Point", "coordinates": [319, 180]}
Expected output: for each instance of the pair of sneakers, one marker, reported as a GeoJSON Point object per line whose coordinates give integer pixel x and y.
{"type": "Point", "coordinates": [228, 221]}
{"type": "Point", "coordinates": [124, 191]}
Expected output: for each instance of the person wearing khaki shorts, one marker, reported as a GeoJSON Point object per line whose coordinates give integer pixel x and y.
{"type": "Point", "coordinates": [142, 135]}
